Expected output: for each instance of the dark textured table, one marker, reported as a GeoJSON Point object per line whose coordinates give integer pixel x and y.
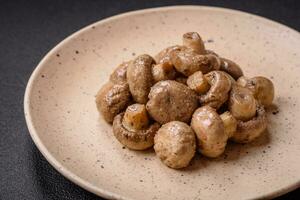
{"type": "Point", "coordinates": [28, 30]}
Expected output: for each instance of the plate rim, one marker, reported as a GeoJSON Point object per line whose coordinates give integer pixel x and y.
{"type": "Point", "coordinates": [58, 165]}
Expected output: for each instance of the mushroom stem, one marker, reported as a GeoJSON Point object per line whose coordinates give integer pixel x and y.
{"type": "Point", "coordinates": [193, 40]}
{"type": "Point", "coordinates": [136, 117]}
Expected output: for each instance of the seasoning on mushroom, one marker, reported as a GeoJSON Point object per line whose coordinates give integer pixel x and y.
{"type": "Point", "coordinates": [261, 87]}
{"type": "Point", "coordinates": [220, 86]}
{"type": "Point", "coordinates": [171, 101]}
{"type": "Point", "coordinates": [112, 99]}
{"type": "Point", "coordinates": [210, 131]}
{"type": "Point", "coordinates": [163, 71]}
{"type": "Point", "coordinates": [133, 129]}
{"type": "Point", "coordinates": [249, 130]}
{"type": "Point", "coordinates": [175, 144]}
{"type": "Point", "coordinates": [139, 77]}
{"type": "Point", "coordinates": [198, 83]}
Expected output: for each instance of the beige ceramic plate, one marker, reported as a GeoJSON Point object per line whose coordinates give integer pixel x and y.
{"type": "Point", "coordinates": [65, 125]}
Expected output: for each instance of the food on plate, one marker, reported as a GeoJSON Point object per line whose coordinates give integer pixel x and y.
{"type": "Point", "coordinates": [247, 131]}
{"type": "Point", "coordinates": [112, 99]}
{"type": "Point", "coordinates": [185, 98]}
{"type": "Point", "coordinates": [242, 103]}
{"type": "Point", "coordinates": [261, 87]}
{"type": "Point", "coordinates": [220, 86]}
{"type": "Point", "coordinates": [210, 131]}
{"type": "Point", "coordinates": [136, 139]}
{"type": "Point", "coordinates": [231, 68]}
{"type": "Point", "coordinates": [171, 101]}
{"type": "Point", "coordinates": [175, 144]}
{"type": "Point", "coordinates": [139, 77]}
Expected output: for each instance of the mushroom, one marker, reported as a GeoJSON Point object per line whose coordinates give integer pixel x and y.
{"type": "Point", "coordinates": [165, 55]}
{"type": "Point", "coordinates": [119, 74]}
{"type": "Point", "coordinates": [231, 68]}
{"type": "Point", "coordinates": [136, 139]}
{"type": "Point", "coordinates": [175, 144]}
{"type": "Point", "coordinates": [261, 87]}
{"type": "Point", "coordinates": [220, 86]}
{"type": "Point", "coordinates": [139, 77]}
{"type": "Point", "coordinates": [171, 101]}
{"type": "Point", "coordinates": [187, 62]}
{"type": "Point", "coordinates": [230, 123]}
{"type": "Point", "coordinates": [242, 103]}
{"type": "Point", "coordinates": [193, 40]}
{"type": "Point", "coordinates": [247, 131]}
{"type": "Point", "coordinates": [198, 83]}
{"type": "Point", "coordinates": [210, 131]}
{"type": "Point", "coordinates": [163, 71]}
{"type": "Point", "coordinates": [136, 117]}
{"type": "Point", "coordinates": [112, 99]}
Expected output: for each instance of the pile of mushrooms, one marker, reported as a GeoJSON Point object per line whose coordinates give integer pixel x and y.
{"type": "Point", "coordinates": [183, 99]}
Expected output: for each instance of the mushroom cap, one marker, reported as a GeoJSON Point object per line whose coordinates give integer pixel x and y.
{"type": "Point", "coordinates": [187, 62]}
{"type": "Point", "coordinates": [175, 144]}
{"type": "Point", "coordinates": [171, 101]}
{"type": "Point", "coordinates": [210, 132]}
{"type": "Point", "coordinates": [164, 56]}
{"type": "Point", "coordinates": [218, 92]}
{"type": "Point", "coordinates": [112, 99]}
{"type": "Point", "coordinates": [252, 129]}
{"type": "Point", "coordinates": [119, 74]}
{"type": "Point", "coordinates": [231, 68]}
{"type": "Point", "coordinates": [136, 140]}
{"type": "Point", "coordinates": [262, 88]}
{"type": "Point", "coordinates": [139, 77]}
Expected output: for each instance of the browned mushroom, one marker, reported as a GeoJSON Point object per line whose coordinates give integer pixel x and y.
{"type": "Point", "coordinates": [194, 41]}
{"type": "Point", "coordinates": [119, 74]}
{"type": "Point", "coordinates": [175, 144]}
{"type": "Point", "coordinates": [231, 68]}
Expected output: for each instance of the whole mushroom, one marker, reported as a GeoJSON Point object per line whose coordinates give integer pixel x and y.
{"type": "Point", "coordinates": [112, 99]}
{"type": "Point", "coordinates": [210, 131]}
{"type": "Point", "coordinates": [175, 144]}
{"type": "Point", "coordinates": [220, 86]}
{"type": "Point", "coordinates": [249, 130]}
{"type": "Point", "coordinates": [261, 87]}
{"type": "Point", "coordinates": [139, 77]}
{"type": "Point", "coordinates": [132, 128]}
{"type": "Point", "coordinates": [171, 101]}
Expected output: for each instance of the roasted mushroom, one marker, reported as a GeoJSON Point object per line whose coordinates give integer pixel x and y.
{"type": "Point", "coordinates": [210, 131]}
{"type": "Point", "coordinates": [119, 74]}
{"type": "Point", "coordinates": [249, 130]}
{"type": "Point", "coordinates": [220, 86]}
{"type": "Point", "coordinates": [261, 87]}
{"type": "Point", "coordinates": [198, 83]}
{"type": "Point", "coordinates": [175, 144]}
{"type": "Point", "coordinates": [136, 117]}
{"type": "Point", "coordinates": [231, 68]}
{"type": "Point", "coordinates": [171, 101]}
{"type": "Point", "coordinates": [136, 139]}
{"type": "Point", "coordinates": [230, 123]}
{"type": "Point", "coordinates": [193, 40]}
{"type": "Point", "coordinates": [242, 103]}
{"type": "Point", "coordinates": [163, 71]}
{"type": "Point", "coordinates": [165, 55]}
{"type": "Point", "coordinates": [112, 99]}
{"type": "Point", "coordinates": [139, 77]}
{"type": "Point", "coordinates": [187, 62]}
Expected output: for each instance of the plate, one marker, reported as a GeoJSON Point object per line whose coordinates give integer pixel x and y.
{"type": "Point", "coordinates": [64, 124]}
